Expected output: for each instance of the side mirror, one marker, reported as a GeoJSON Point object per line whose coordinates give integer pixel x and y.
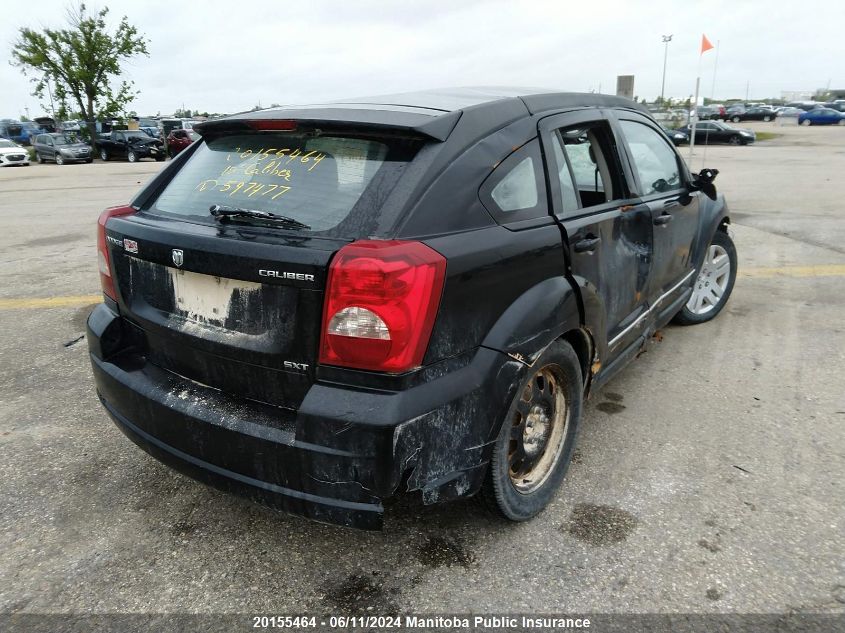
{"type": "Point", "coordinates": [703, 181]}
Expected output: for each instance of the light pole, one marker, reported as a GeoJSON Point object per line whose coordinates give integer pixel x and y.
{"type": "Point", "coordinates": [666, 40]}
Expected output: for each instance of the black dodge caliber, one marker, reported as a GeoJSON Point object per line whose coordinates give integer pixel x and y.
{"type": "Point", "coordinates": [320, 307]}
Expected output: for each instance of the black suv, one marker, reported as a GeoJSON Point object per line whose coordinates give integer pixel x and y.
{"type": "Point", "coordinates": [319, 307]}
{"type": "Point", "coordinates": [62, 148]}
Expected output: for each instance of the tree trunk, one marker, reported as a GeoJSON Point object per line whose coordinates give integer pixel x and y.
{"type": "Point", "coordinates": [92, 124]}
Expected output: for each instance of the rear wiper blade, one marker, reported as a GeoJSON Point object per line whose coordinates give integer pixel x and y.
{"type": "Point", "coordinates": [222, 213]}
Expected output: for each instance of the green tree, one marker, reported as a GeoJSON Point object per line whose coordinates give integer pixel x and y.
{"type": "Point", "coordinates": [82, 63]}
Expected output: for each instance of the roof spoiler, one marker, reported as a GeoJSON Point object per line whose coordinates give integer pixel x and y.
{"type": "Point", "coordinates": [437, 128]}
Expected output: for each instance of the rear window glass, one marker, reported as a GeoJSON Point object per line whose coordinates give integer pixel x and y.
{"type": "Point", "coordinates": [317, 180]}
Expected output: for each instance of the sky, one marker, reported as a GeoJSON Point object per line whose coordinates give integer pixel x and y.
{"type": "Point", "coordinates": [228, 56]}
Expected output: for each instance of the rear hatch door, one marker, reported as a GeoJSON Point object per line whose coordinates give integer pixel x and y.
{"type": "Point", "coordinates": [236, 303]}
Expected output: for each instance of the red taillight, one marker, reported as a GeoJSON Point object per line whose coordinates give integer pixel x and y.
{"type": "Point", "coordinates": [381, 301]}
{"type": "Point", "coordinates": [106, 280]}
{"type": "Point", "coordinates": [277, 125]}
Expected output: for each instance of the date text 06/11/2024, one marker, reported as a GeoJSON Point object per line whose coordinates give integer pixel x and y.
{"type": "Point", "coordinates": [421, 622]}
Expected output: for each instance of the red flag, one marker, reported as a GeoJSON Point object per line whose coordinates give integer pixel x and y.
{"type": "Point", "coordinates": [705, 44]}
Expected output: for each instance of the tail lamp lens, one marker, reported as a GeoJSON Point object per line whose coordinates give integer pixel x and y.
{"type": "Point", "coordinates": [103, 259]}
{"type": "Point", "coordinates": [381, 302]}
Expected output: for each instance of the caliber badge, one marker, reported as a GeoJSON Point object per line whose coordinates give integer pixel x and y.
{"type": "Point", "coordinates": [178, 256]}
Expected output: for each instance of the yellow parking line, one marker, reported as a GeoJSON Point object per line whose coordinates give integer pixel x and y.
{"type": "Point", "coordinates": [33, 303]}
{"type": "Point", "coordinates": [821, 270]}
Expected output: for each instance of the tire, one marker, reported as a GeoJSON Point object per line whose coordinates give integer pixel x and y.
{"type": "Point", "coordinates": [89, 160]}
{"type": "Point", "coordinates": [542, 429]}
{"type": "Point", "coordinates": [736, 119]}
{"type": "Point", "coordinates": [712, 275]}
{"type": "Point", "coordinates": [59, 159]}
{"type": "Point", "coordinates": [159, 158]}
{"type": "Point", "coordinates": [104, 155]}
{"type": "Point", "coordinates": [767, 118]}
{"type": "Point", "coordinates": [736, 139]}
{"type": "Point", "coordinates": [131, 156]}
{"type": "Point", "coordinates": [806, 123]}
{"type": "Point", "coordinates": [39, 158]}
{"type": "Point", "coordinates": [841, 122]}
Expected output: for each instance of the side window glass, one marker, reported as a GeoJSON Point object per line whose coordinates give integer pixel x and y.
{"type": "Point", "coordinates": [516, 189]}
{"type": "Point", "coordinates": [568, 192]}
{"type": "Point", "coordinates": [591, 166]}
{"type": "Point", "coordinates": [654, 161]}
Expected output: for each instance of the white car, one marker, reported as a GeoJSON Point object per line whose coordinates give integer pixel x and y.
{"type": "Point", "coordinates": [12, 154]}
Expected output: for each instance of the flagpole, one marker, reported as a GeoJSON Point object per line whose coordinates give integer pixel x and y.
{"type": "Point", "coordinates": [712, 97]}
{"type": "Point", "coordinates": [695, 109]}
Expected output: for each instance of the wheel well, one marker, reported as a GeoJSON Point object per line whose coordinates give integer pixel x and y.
{"type": "Point", "coordinates": [581, 343]}
{"type": "Point", "coordinates": [723, 225]}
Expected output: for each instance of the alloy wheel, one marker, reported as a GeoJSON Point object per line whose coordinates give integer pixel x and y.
{"type": "Point", "coordinates": [712, 281]}
{"type": "Point", "coordinates": [538, 430]}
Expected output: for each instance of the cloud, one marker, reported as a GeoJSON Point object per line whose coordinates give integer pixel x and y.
{"type": "Point", "coordinates": [228, 56]}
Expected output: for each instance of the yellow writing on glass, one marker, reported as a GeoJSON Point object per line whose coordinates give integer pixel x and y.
{"type": "Point", "coordinates": [248, 189]}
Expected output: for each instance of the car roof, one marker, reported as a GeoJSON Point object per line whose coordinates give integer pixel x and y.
{"type": "Point", "coordinates": [435, 113]}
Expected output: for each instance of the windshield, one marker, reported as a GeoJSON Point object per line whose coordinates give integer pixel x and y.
{"type": "Point", "coordinates": [133, 135]}
{"type": "Point", "coordinates": [315, 180]}
{"type": "Point", "coordinates": [63, 139]}
{"type": "Point", "coordinates": [5, 143]}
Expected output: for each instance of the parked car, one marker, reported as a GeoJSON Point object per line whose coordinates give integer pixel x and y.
{"type": "Point", "coordinates": [787, 112]}
{"type": "Point", "coordinates": [718, 132]}
{"type": "Point", "coordinates": [178, 140]}
{"type": "Point", "coordinates": [752, 114]}
{"type": "Point", "coordinates": [714, 113]}
{"type": "Point", "coordinates": [132, 145]}
{"type": "Point", "coordinates": [18, 131]}
{"type": "Point", "coordinates": [676, 136]}
{"type": "Point", "coordinates": [822, 116]}
{"type": "Point", "coordinates": [839, 106]}
{"type": "Point", "coordinates": [61, 148]}
{"type": "Point", "coordinates": [804, 105]}
{"type": "Point", "coordinates": [316, 307]}
{"type": "Point", "coordinates": [12, 154]}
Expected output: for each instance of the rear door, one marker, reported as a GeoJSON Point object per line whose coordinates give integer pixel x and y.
{"type": "Point", "coordinates": [237, 304]}
{"type": "Point", "coordinates": [608, 233]}
{"type": "Point", "coordinates": [661, 183]}
{"type": "Point", "coordinates": [119, 145]}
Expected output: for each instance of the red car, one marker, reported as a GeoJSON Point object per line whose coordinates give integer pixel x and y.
{"type": "Point", "coordinates": [178, 140]}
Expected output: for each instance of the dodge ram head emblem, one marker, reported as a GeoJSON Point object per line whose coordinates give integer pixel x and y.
{"type": "Point", "coordinates": [178, 256]}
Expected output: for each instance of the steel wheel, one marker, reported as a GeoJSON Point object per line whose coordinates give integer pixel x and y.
{"type": "Point", "coordinates": [59, 159]}
{"type": "Point", "coordinates": [538, 429]}
{"type": "Point", "coordinates": [536, 435]}
{"type": "Point", "coordinates": [132, 157]}
{"type": "Point", "coordinates": [712, 281]}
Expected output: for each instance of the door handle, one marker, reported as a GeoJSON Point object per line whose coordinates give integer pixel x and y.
{"type": "Point", "coordinates": [663, 218]}
{"type": "Point", "coordinates": [587, 244]}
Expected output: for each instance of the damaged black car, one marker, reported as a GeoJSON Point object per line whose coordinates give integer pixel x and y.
{"type": "Point", "coordinates": [322, 307]}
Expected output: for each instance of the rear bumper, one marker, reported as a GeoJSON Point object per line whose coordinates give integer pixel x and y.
{"type": "Point", "coordinates": [334, 459]}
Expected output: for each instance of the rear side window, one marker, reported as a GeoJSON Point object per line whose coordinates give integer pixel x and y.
{"type": "Point", "coordinates": [317, 180]}
{"type": "Point", "coordinates": [516, 189]}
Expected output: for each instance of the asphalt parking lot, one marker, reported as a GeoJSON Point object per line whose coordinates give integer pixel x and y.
{"type": "Point", "coordinates": [709, 475]}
